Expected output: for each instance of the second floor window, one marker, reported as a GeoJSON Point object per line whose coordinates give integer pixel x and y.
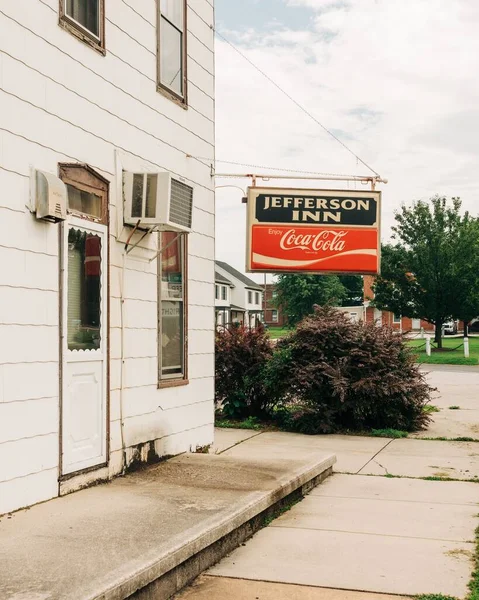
{"type": "Point", "coordinates": [256, 298]}
{"type": "Point", "coordinates": [172, 48]}
{"type": "Point", "coordinates": [250, 297]}
{"type": "Point", "coordinates": [85, 19]}
{"type": "Point", "coordinates": [224, 293]}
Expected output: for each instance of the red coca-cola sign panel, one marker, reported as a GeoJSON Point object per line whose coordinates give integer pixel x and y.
{"type": "Point", "coordinates": [313, 249]}
{"type": "Point", "coordinates": [313, 231]}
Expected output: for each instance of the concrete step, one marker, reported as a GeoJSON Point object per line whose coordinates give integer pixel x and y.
{"type": "Point", "coordinates": [149, 534]}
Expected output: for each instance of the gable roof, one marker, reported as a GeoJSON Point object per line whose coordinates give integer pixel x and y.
{"type": "Point", "coordinates": [249, 283]}
{"type": "Point", "coordinates": [222, 279]}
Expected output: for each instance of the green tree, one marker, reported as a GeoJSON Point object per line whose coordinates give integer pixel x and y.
{"type": "Point", "coordinates": [430, 271]}
{"type": "Point", "coordinates": [354, 287]}
{"type": "Point", "coordinates": [466, 267]}
{"type": "Point", "coordinates": [297, 294]}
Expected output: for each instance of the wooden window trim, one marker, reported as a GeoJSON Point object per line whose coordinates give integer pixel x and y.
{"type": "Point", "coordinates": [180, 100]}
{"type": "Point", "coordinates": [80, 32]}
{"type": "Point", "coordinates": [83, 177]}
{"type": "Point", "coordinates": [172, 383]}
{"type": "Point", "coordinates": [181, 380]}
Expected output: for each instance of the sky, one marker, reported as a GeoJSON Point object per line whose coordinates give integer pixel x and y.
{"type": "Point", "coordinates": [396, 80]}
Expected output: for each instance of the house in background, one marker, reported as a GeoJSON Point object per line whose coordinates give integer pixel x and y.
{"type": "Point", "coordinates": [223, 287]}
{"type": "Point", "coordinates": [107, 332]}
{"type": "Point", "coordinates": [372, 314]}
{"type": "Point", "coordinates": [355, 313]}
{"type": "Point", "coordinates": [246, 296]}
{"type": "Point", "coordinates": [273, 316]}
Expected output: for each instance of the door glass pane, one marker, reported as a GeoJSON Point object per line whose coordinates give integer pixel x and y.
{"type": "Point", "coordinates": [85, 12]}
{"type": "Point", "coordinates": [84, 202]}
{"type": "Point", "coordinates": [84, 290]}
{"type": "Point", "coordinates": [171, 266]}
{"type": "Point", "coordinates": [171, 338]}
{"type": "Point", "coordinates": [171, 57]}
{"type": "Point", "coordinates": [173, 11]}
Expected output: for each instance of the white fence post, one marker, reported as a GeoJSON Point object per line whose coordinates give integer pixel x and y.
{"type": "Point", "coordinates": [428, 345]}
{"type": "Point", "coordinates": [466, 347]}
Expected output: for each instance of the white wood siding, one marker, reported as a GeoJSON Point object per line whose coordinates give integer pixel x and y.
{"type": "Point", "coordinates": [60, 101]}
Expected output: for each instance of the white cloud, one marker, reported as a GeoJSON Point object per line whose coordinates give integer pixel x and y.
{"type": "Point", "coordinates": [397, 80]}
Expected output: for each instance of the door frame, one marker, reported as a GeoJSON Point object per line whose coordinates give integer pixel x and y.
{"type": "Point", "coordinates": [83, 177]}
{"type": "Point", "coordinates": [85, 225]}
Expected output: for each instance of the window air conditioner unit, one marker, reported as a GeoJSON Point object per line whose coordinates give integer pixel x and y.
{"type": "Point", "coordinates": [157, 199]}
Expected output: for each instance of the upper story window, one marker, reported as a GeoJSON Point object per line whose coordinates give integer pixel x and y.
{"type": "Point", "coordinates": [86, 20]}
{"type": "Point", "coordinates": [172, 48]}
{"type": "Point", "coordinates": [256, 298]}
{"type": "Point", "coordinates": [224, 293]}
{"type": "Point", "coordinates": [217, 292]}
{"type": "Point", "coordinates": [250, 297]}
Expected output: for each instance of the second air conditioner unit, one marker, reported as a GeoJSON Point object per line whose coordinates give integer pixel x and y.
{"type": "Point", "coordinates": [157, 200]}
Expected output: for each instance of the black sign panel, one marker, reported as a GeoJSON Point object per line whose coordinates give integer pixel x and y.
{"type": "Point", "coordinates": [309, 209]}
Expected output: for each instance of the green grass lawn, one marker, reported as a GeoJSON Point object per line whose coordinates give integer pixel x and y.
{"type": "Point", "coordinates": [451, 357]}
{"type": "Point", "coordinates": [278, 332]}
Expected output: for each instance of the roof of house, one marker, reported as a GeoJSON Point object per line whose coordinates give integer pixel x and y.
{"type": "Point", "coordinates": [249, 283]}
{"type": "Point", "coordinates": [235, 308]}
{"type": "Point", "coordinates": [222, 278]}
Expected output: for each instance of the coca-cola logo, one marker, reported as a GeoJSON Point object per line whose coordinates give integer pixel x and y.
{"type": "Point", "coordinates": [328, 240]}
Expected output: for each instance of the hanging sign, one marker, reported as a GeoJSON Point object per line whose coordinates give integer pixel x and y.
{"type": "Point", "coordinates": [313, 231]}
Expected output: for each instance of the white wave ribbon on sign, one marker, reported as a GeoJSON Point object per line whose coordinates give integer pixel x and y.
{"type": "Point", "coordinates": [281, 262]}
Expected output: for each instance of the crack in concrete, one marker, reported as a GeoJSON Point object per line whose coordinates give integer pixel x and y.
{"type": "Point", "coordinates": [373, 457]}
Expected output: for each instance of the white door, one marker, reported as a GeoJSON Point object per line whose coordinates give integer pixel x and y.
{"type": "Point", "coordinates": [416, 324]}
{"type": "Point", "coordinates": [84, 345]}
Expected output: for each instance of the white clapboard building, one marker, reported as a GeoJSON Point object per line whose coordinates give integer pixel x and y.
{"type": "Point", "coordinates": [106, 239]}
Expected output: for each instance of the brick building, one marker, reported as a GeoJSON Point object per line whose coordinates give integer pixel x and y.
{"type": "Point", "coordinates": [389, 318]}
{"type": "Point", "coordinates": [273, 317]}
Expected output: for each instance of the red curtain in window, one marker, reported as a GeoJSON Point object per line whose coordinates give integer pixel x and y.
{"type": "Point", "coordinates": [171, 257]}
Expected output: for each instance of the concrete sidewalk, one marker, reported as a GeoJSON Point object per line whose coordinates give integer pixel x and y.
{"type": "Point", "coordinates": [375, 528]}
{"type": "Point", "coordinates": [164, 524]}
{"type": "Point", "coordinates": [457, 387]}
{"type": "Point", "coordinates": [390, 536]}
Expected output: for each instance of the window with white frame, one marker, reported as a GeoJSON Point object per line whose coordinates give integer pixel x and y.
{"type": "Point", "coordinates": [172, 47]}
{"type": "Point", "coordinates": [250, 297]}
{"type": "Point", "coordinates": [217, 292]}
{"type": "Point", "coordinates": [274, 316]}
{"type": "Point", "coordinates": [172, 321]}
{"type": "Point", "coordinates": [256, 298]}
{"type": "Point", "coordinates": [224, 293]}
{"type": "Point", "coordinates": [396, 318]}
{"type": "Point", "coordinates": [85, 19]}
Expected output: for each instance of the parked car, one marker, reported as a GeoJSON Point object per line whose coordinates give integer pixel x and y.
{"type": "Point", "coordinates": [474, 326]}
{"type": "Point", "coordinates": [450, 328]}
